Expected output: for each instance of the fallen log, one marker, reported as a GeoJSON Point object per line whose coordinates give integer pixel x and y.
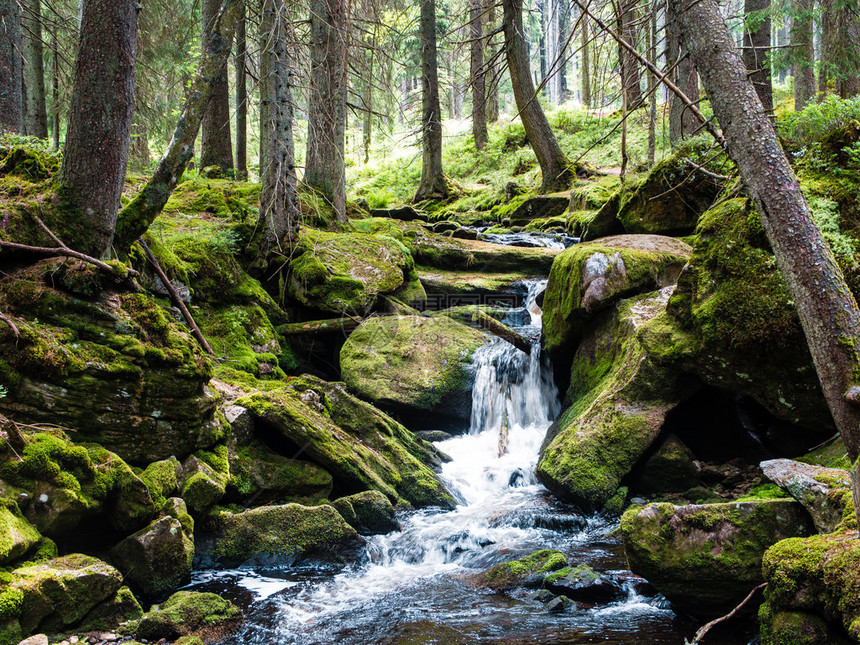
{"type": "Point", "coordinates": [490, 324]}
{"type": "Point", "coordinates": [318, 326]}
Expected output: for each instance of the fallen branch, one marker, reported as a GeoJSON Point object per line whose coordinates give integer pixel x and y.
{"type": "Point", "coordinates": [174, 296]}
{"type": "Point", "coordinates": [65, 251]}
{"type": "Point", "coordinates": [316, 326]}
{"type": "Point", "coordinates": [501, 330]}
{"type": "Point", "coordinates": [706, 628]}
{"type": "Point", "coordinates": [12, 326]}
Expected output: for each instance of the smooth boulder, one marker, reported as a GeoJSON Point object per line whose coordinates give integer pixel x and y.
{"type": "Point", "coordinates": [369, 513]}
{"type": "Point", "coordinates": [190, 613]}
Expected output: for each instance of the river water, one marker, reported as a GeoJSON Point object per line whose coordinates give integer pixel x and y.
{"type": "Point", "coordinates": [412, 587]}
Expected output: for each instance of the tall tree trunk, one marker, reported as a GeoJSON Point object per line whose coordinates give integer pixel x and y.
{"type": "Point", "coordinates": [756, 51]}
{"type": "Point", "coordinates": [652, 88]}
{"type": "Point", "coordinates": [479, 112]}
{"type": "Point", "coordinates": [216, 148]}
{"type": "Point", "coordinates": [682, 122]}
{"type": "Point", "coordinates": [542, 8]}
{"type": "Point", "coordinates": [494, 76]}
{"type": "Point", "coordinates": [279, 202]}
{"type": "Point", "coordinates": [241, 56]}
{"type": "Point", "coordinates": [586, 63]}
{"type": "Point", "coordinates": [55, 92]}
{"type": "Point", "coordinates": [630, 84]}
{"type": "Point", "coordinates": [803, 52]}
{"type": "Point", "coordinates": [11, 101]}
{"type": "Point", "coordinates": [433, 184]}
{"type": "Point", "coordinates": [35, 112]}
{"type": "Point", "coordinates": [102, 106]}
{"type": "Point", "coordinates": [135, 218]}
{"type": "Point", "coordinates": [827, 309]}
{"type": "Point", "coordinates": [367, 126]}
{"type": "Point", "coordinates": [325, 169]}
{"type": "Point", "coordinates": [554, 165]}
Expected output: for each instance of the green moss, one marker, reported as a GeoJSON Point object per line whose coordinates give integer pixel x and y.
{"type": "Point", "coordinates": [161, 479]}
{"type": "Point", "coordinates": [505, 576]}
{"type": "Point", "coordinates": [190, 613]}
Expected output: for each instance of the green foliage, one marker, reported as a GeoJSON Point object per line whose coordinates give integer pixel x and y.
{"type": "Point", "coordinates": [803, 132]}
{"type": "Point", "coordinates": [825, 213]}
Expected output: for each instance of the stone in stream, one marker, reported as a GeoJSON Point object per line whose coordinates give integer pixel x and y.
{"type": "Point", "coordinates": [824, 492]}
{"type": "Point", "coordinates": [705, 558]}
{"type": "Point", "coordinates": [414, 365]}
{"type": "Point", "coordinates": [369, 513]}
{"type": "Point", "coordinates": [584, 584]}
{"type": "Point", "coordinates": [190, 613]}
{"type": "Point", "coordinates": [559, 604]}
{"type": "Point", "coordinates": [403, 213]}
{"type": "Point", "coordinates": [529, 571]}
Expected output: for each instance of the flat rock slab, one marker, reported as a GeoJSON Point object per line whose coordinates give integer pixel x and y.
{"type": "Point", "coordinates": [824, 492]}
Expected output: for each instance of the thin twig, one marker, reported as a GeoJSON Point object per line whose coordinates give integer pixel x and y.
{"type": "Point", "coordinates": [12, 326]}
{"type": "Point", "coordinates": [706, 628]}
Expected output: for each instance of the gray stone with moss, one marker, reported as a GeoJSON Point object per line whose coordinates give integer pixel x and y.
{"type": "Point", "coordinates": [190, 613]}
{"type": "Point", "coordinates": [619, 401]}
{"type": "Point", "coordinates": [412, 364]}
{"type": "Point", "coordinates": [669, 470]}
{"type": "Point", "coordinates": [157, 559]}
{"type": "Point", "coordinates": [706, 558]}
{"type": "Point", "coordinates": [162, 479]}
{"type": "Point", "coordinates": [281, 534]}
{"type": "Point", "coordinates": [110, 614]}
{"type": "Point", "coordinates": [584, 584]}
{"type": "Point", "coordinates": [202, 485]}
{"type": "Point", "coordinates": [360, 446]}
{"type": "Point", "coordinates": [529, 571]}
{"type": "Point", "coordinates": [369, 513]}
{"type": "Point", "coordinates": [259, 476]}
{"type": "Point", "coordinates": [17, 535]}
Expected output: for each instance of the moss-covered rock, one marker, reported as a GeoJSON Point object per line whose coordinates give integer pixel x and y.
{"type": "Point", "coordinates": [157, 559]}
{"type": "Point", "coordinates": [412, 364]}
{"type": "Point", "coordinates": [449, 253]}
{"type": "Point", "coordinates": [60, 592]}
{"type": "Point", "coordinates": [259, 476]}
{"type": "Point", "coordinates": [362, 448]}
{"type": "Point", "coordinates": [66, 483]}
{"type": "Point", "coordinates": [540, 207]}
{"type": "Point", "coordinates": [280, 534]}
{"type": "Point", "coordinates": [17, 535]}
{"type": "Point", "coordinates": [588, 278]}
{"type": "Point", "coordinates": [619, 400]}
{"type": "Point", "coordinates": [110, 364]}
{"type": "Point", "coordinates": [202, 485]}
{"type": "Point", "coordinates": [529, 571]}
{"type": "Point", "coordinates": [707, 558]}
{"type": "Point", "coordinates": [345, 272]}
{"type": "Point", "coordinates": [669, 470]}
{"type": "Point", "coordinates": [207, 616]}
{"type": "Point", "coordinates": [584, 584]}
{"type": "Point", "coordinates": [797, 628]}
{"type": "Point", "coordinates": [732, 322]}
{"type": "Point", "coordinates": [111, 613]}
{"type": "Point", "coordinates": [162, 479]}
{"type": "Point", "coordinates": [369, 513]}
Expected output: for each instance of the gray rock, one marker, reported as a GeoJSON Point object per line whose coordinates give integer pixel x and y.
{"type": "Point", "coordinates": [36, 639]}
{"type": "Point", "coordinates": [242, 423]}
{"type": "Point", "coordinates": [824, 492]}
{"type": "Point", "coordinates": [369, 513]}
{"type": "Point", "coordinates": [559, 604]}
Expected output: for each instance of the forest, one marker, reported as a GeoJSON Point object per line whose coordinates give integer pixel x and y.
{"type": "Point", "coordinates": [400, 322]}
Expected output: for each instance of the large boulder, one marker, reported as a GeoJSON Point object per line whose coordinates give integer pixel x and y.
{"type": "Point", "coordinates": [281, 534]}
{"type": "Point", "coordinates": [362, 448]}
{"type": "Point", "coordinates": [113, 365]}
{"type": "Point", "coordinates": [157, 559]}
{"type": "Point", "coordinates": [345, 272]}
{"type": "Point", "coordinates": [732, 322]}
{"type": "Point", "coordinates": [824, 492]}
{"type": "Point", "coordinates": [540, 207]}
{"type": "Point", "coordinates": [706, 558]}
{"type": "Point", "coordinates": [60, 592]}
{"type": "Point", "coordinates": [369, 513]}
{"type": "Point", "coordinates": [17, 535]}
{"type": "Point", "coordinates": [450, 253]}
{"type": "Point", "coordinates": [619, 401]}
{"type": "Point", "coordinates": [413, 364]}
{"type": "Point", "coordinates": [61, 484]}
{"type": "Point", "coordinates": [529, 571]}
{"type": "Point", "coordinates": [190, 613]}
{"type": "Point", "coordinates": [589, 278]}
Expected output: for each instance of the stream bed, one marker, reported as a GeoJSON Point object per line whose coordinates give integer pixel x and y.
{"type": "Point", "coordinates": [412, 589]}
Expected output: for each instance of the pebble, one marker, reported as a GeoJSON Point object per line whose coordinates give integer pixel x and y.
{"type": "Point", "coordinates": [37, 639]}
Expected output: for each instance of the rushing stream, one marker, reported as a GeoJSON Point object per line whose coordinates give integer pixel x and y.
{"type": "Point", "coordinates": [411, 588]}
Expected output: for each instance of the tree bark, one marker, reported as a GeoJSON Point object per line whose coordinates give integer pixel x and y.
{"type": "Point", "coordinates": [479, 112]}
{"type": "Point", "coordinates": [554, 165]}
{"type": "Point", "coordinates": [586, 63]}
{"type": "Point", "coordinates": [827, 309]}
{"type": "Point", "coordinates": [325, 169]}
{"type": "Point", "coordinates": [652, 88]}
{"type": "Point", "coordinates": [55, 93]}
{"type": "Point", "coordinates": [433, 184]}
{"type": "Point", "coordinates": [216, 148]}
{"type": "Point", "coordinates": [97, 141]}
{"type": "Point", "coordinates": [241, 98]}
{"type": "Point", "coordinates": [682, 122]}
{"type": "Point", "coordinates": [630, 81]}
{"type": "Point", "coordinates": [803, 52]}
{"type": "Point", "coordinates": [11, 101]}
{"type": "Point", "coordinates": [756, 50]}
{"type": "Point", "coordinates": [279, 207]}
{"type": "Point", "coordinates": [136, 217]}
{"type": "Point", "coordinates": [35, 112]}
{"type": "Point", "coordinates": [492, 88]}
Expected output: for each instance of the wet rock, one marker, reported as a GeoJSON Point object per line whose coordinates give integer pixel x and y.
{"type": "Point", "coordinates": [442, 227]}
{"type": "Point", "coordinates": [190, 613]}
{"type": "Point", "coordinates": [111, 613]}
{"type": "Point", "coordinates": [110, 364]}
{"type": "Point", "coordinates": [241, 422]}
{"type": "Point", "coordinates": [17, 535]}
{"type": "Point", "coordinates": [433, 435]}
{"type": "Point", "coordinates": [60, 592]}
{"type": "Point", "coordinates": [280, 534]}
{"type": "Point", "coordinates": [529, 571]}
{"type": "Point", "coordinates": [705, 558]}
{"type": "Point", "coordinates": [584, 584]}
{"type": "Point", "coordinates": [157, 559]}
{"type": "Point", "coordinates": [412, 364]}
{"type": "Point", "coordinates": [797, 628]}
{"type": "Point", "coordinates": [451, 254]}
{"type": "Point", "coordinates": [540, 207]}
{"type": "Point", "coordinates": [589, 278]}
{"type": "Point", "coordinates": [202, 487]}
{"type": "Point", "coordinates": [403, 213]}
{"type": "Point", "coordinates": [619, 401]}
{"type": "Point", "coordinates": [542, 595]}
{"type": "Point", "coordinates": [259, 476]}
{"type": "Point", "coordinates": [671, 469]}
{"type": "Point", "coordinates": [824, 492]}
{"type": "Point", "coordinates": [362, 448]}
{"type": "Point", "coordinates": [465, 234]}
{"type": "Point", "coordinates": [369, 513]}
{"type": "Point", "coordinates": [559, 604]}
